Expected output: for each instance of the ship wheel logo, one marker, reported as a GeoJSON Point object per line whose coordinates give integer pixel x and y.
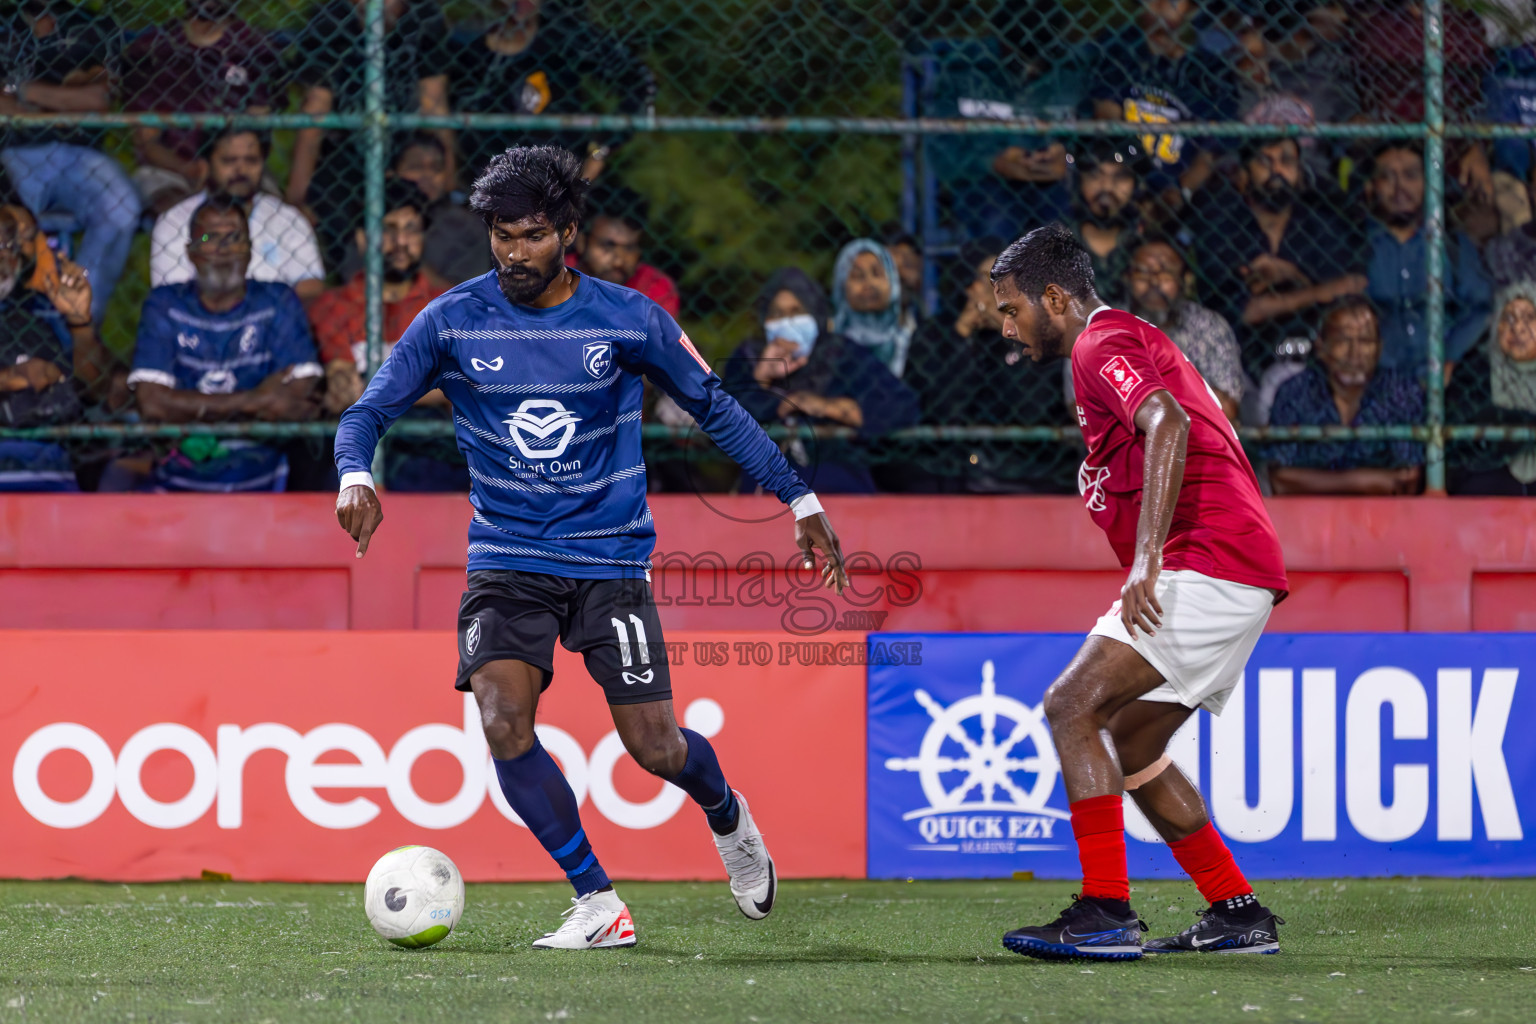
{"type": "Point", "coordinates": [1003, 762]}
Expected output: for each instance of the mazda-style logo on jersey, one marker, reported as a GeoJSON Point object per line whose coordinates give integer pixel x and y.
{"type": "Point", "coordinates": [481, 364]}
{"type": "Point", "coordinates": [554, 429]}
{"type": "Point", "coordinates": [597, 356]}
{"type": "Point", "coordinates": [1090, 484]}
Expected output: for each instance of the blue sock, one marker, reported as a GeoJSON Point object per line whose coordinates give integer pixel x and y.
{"type": "Point", "coordinates": [702, 779]}
{"type": "Point", "coordinates": [533, 785]}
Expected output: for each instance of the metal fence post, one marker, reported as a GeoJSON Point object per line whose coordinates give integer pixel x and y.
{"type": "Point", "coordinates": [1434, 238]}
{"type": "Point", "coordinates": [373, 198]}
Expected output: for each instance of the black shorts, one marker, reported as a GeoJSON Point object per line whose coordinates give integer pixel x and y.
{"type": "Point", "coordinates": [508, 614]}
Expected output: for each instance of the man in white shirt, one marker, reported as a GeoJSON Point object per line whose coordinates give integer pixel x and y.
{"type": "Point", "coordinates": [283, 246]}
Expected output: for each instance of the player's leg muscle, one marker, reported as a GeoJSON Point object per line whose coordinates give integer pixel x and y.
{"type": "Point", "coordinates": [651, 736]}
{"type": "Point", "coordinates": [508, 695]}
{"type": "Point", "coordinates": [1140, 732]}
{"type": "Point", "coordinates": [1105, 676]}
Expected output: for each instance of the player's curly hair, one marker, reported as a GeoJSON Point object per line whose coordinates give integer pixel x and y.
{"type": "Point", "coordinates": [1048, 255]}
{"type": "Point", "coordinates": [527, 181]}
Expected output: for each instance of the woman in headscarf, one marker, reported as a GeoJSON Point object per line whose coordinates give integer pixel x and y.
{"type": "Point", "coordinates": [866, 303]}
{"type": "Point", "coordinates": [798, 371]}
{"type": "Point", "coordinates": [1496, 385]}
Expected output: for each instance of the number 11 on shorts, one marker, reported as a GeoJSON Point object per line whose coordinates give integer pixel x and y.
{"type": "Point", "coordinates": [623, 631]}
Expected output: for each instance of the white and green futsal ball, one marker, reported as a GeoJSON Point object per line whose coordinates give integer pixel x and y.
{"type": "Point", "coordinates": [414, 896]}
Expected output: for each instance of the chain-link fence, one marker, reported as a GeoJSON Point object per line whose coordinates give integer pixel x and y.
{"type": "Point", "coordinates": [218, 214]}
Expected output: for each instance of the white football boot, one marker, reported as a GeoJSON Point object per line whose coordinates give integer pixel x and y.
{"type": "Point", "coordinates": [753, 881]}
{"type": "Point", "coordinates": [598, 920]}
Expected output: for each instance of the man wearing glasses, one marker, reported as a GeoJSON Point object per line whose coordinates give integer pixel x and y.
{"type": "Point", "coordinates": [221, 347]}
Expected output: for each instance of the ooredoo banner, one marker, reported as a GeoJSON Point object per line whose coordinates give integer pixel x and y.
{"type": "Point", "coordinates": [1339, 754]}
{"type": "Point", "coordinates": [137, 756]}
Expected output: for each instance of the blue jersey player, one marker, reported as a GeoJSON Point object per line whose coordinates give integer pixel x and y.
{"type": "Point", "coordinates": [543, 366]}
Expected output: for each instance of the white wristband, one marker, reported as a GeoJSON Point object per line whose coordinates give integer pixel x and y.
{"type": "Point", "coordinates": [805, 505]}
{"type": "Point", "coordinates": [363, 478]}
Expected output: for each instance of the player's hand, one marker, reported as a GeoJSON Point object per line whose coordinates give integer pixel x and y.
{"type": "Point", "coordinates": [1138, 598]}
{"type": "Point", "coordinates": [359, 513]}
{"type": "Point", "coordinates": [813, 533]}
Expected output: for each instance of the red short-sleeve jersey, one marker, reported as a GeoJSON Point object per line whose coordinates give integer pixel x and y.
{"type": "Point", "coordinates": [1220, 527]}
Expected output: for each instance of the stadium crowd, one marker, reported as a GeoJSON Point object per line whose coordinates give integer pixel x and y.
{"type": "Point", "coordinates": [1292, 272]}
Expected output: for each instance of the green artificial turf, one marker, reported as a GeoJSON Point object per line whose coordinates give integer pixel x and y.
{"type": "Point", "coordinates": [1394, 950]}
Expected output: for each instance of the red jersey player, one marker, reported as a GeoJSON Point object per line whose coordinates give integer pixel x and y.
{"type": "Point", "coordinates": [1168, 481]}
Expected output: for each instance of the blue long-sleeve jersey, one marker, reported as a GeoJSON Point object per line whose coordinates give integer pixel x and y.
{"type": "Point", "coordinates": [546, 407]}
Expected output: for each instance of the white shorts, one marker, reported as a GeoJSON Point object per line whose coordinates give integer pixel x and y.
{"type": "Point", "coordinates": [1209, 629]}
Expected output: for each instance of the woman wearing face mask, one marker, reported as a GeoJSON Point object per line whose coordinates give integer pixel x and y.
{"type": "Point", "coordinates": [866, 302]}
{"type": "Point", "coordinates": [1496, 385]}
{"type": "Point", "coordinates": [799, 372]}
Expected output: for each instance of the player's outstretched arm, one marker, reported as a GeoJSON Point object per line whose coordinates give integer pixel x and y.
{"type": "Point", "coordinates": [359, 512]}
{"type": "Point", "coordinates": [1166, 425]}
{"type": "Point", "coordinates": [814, 533]}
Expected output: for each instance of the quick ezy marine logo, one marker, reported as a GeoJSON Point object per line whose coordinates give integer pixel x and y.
{"type": "Point", "coordinates": [1010, 772]}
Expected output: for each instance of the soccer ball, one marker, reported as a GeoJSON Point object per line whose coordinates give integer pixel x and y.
{"type": "Point", "coordinates": [414, 896]}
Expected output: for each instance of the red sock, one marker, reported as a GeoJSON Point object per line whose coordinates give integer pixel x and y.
{"type": "Point", "coordinates": [1099, 825]}
{"type": "Point", "coordinates": [1205, 858]}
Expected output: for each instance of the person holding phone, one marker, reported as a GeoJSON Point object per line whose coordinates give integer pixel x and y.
{"type": "Point", "coordinates": [798, 371]}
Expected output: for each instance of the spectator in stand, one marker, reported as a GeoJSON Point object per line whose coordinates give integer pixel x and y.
{"type": "Point", "coordinates": [1158, 281]}
{"type": "Point", "coordinates": [44, 277]}
{"type": "Point", "coordinates": [217, 348]}
{"type": "Point", "coordinates": [1019, 69]}
{"type": "Point", "coordinates": [866, 303]}
{"type": "Point", "coordinates": [1511, 257]}
{"type": "Point", "coordinates": [800, 372]}
{"type": "Point", "coordinates": [540, 57]}
{"type": "Point", "coordinates": [35, 367]}
{"type": "Point", "coordinates": [1297, 70]}
{"type": "Point", "coordinates": [339, 321]}
{"type": "Point", "coordinates": [908, 255]}
{"type": "Point", "coordinates": [458, 247]}
{"type": "Point", "coordinates": [1348, 386]}
{"type": "Point", "coordinates": [1396, 268]}
{"type": "Point", "coordinates": [1152, 72]}
{"type": "Point", "coordinates": [338, 316]}
{"type": "Point", "coordinates": [209, 61]}
{"type": "Point", "coordinates": [1389, 53]}
{"type": "Point", "coordinates": [62, 59]}
{"type": "Point", "coordinates": [611, 245]}
{"type": "Point", "coordinates": [283, 246]}
{"type": "Point", "coordinates": [1270, 254]}
{"type": "Point", "coordinates": [1496, 385]}
{"type": "Point", "coordinates": [326, 170]}
{"type": "Point", "coordinates": [1107, 219]}
{"type": "Point", "coordinates": [965, 373]}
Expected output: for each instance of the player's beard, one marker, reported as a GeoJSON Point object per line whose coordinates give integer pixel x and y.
{"type": "Point", "coordinates": [1050, 341]}
{"type": "Point", "coordinates": [521, 285]}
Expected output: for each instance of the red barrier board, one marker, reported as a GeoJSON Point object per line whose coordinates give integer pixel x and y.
{"type": "Point", "coordinates": [296, 755]}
